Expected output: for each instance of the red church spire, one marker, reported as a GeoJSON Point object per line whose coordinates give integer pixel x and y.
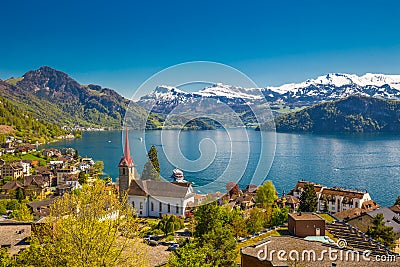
{"type": "Point", "coordinates": [126, 160]}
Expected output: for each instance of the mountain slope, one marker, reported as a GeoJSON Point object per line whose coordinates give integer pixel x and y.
{"type": "Point", "coordinates": [24, 125]}
{"type": "Point", "coordinates": [55, 97]}
{"type": "Point", "coordinates": [353, 114]}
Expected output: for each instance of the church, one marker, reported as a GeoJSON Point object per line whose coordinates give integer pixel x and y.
{"type": "Point", "coordinates": [151, 198]}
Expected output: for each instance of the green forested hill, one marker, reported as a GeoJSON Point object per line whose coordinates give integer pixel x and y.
{"type": "Point", "coordinates": [55, 97]}
{"type": "Point", "coordinates": [353, 114]}
{"type": "Point", "coordinates": [24, 125]}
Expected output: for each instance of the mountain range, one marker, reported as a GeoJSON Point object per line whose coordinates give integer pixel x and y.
{"type": "Point", "coordinates": [329, 87]}
{"type": "Point", "coordinates": [53, 96]}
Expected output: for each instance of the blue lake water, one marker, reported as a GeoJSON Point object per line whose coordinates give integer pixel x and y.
{"type": "Point", "coordinates": [211, 158]}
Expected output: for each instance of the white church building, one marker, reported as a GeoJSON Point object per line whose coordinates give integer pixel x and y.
{"type": "Point", "coordinates": [151, 198]}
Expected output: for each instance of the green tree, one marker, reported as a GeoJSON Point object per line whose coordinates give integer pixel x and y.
{"type": "Point", "coordinates": [82, 178]}
{"type": "Point", "coordinates": [23, 214]}
{"type": "Point", "coordinates": [191, 255]}
{"type": "Point", "coordinates": [279, 216]}
{"type": "Point", "coordinates": [5, 259]}
{"type": "Point", "coordinates": [266, 194]}
{"type": "Point", "coordinates": [170, 223]}
{"type": "Point", "coordinates": [153, 157]}
{"type": "Point", "coordinates": [256, 221]}
{"type": "Point", "coordinates": [308, 199]}
{"type": "Point", "coordinates": [92, 228]}
{"type": "Point", "coordinates": [382, 233]}
{"type": "Point", "coordinates": [98, 166]}
{"type": "Point", "coordinates": [3, 209]}
{"type": "Point", "coordinates": [12, 204]}
{"type": "Point", "coordinates": [213, 245]}
{"type": "Point", "coordinates": [19, 194]}
{"type": "Point", "coordinates": [149, 173]}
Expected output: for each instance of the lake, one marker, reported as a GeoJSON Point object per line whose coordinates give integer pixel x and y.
{"type": "Point", "coordinates": [211, 158]}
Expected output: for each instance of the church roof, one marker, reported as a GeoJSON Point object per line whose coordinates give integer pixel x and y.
{"type": "Point", "coordinates": [159, 189]}
{"type": "Point", "coordinates": [126, 160]}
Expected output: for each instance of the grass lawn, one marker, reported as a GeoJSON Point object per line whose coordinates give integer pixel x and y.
{"type": "Point", "coordinates": [327, 217]}
{"type": "Point", "coordinates": [253, 241]}
{"type": "Point", "coordinates": [9, 157]}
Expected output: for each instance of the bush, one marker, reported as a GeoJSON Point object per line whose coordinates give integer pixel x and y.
{"type": "Point", "coordinates": [12, 204]}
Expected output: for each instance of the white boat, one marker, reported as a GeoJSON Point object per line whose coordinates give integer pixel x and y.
{"type": "Point", "coordinates": [140, 139]}
{"type": "Point", "coordinates": [177, 174]}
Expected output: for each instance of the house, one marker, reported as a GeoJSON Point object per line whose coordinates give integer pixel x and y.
{"type": "Point", "coordinates": [26, 166]}
{"type": "Point", "coordinates": [36, 185]}
{"type": "Point", "coordinates": [63, 173]}
{"type": "Point", "coordinates": [305, 224]}
{"type": "Point", "coordinates": [338, 199]}
{"type": "Point", "coordinates": [41, 209]}
{"type": "Point", "coordinates": [250, 189]}
{"type": "Point", "coordinates": [289, 201]}
{"type": "Point", "coordinates": [14, 235]}
{"type": "Point", "coordinates": [12, 186]}
{"type": "Point", "coordinates": [335, 199]}
{"type": "Point", "coordinates": [13, 170]}
{"type": "Point", "coordinates": [298, 189]}
{"type": "Point", "coordinates": [293, 251]}
{"type": "Point", "coordinates": [365, 220]}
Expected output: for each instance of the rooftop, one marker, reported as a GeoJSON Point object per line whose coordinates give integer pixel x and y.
{"type": "Point", "coordinates": [290, 243]}
{"type": "Point", "coordinates": [305, 216]}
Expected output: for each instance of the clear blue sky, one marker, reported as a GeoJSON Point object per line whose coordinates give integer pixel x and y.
{"type": "Point", "coordinates": [120, 44]}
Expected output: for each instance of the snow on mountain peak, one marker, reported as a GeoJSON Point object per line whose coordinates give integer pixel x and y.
{"type": "Point", "coordinates": [342, 79]}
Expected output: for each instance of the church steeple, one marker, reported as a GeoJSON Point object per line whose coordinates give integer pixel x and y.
{"type": "Point", "coordinates": [126, 167]}
{"type": "Point", "coordinates": [126, 160]}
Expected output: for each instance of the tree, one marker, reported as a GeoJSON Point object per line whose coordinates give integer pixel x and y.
{"type": "Point", "coordinates": [213, 244]}
{"type": "Point", "coordinates": [92, 228]}
{"type": "Point", "coordinates": [308, 199]}
{"type": "Point", "coordinates": [149, 173]}
{"type": "Point", "coordinates": [3, 209]}
{"type": "Point", "coordinates": [256, 220]}
{"type": "Point", "coordinates": [238, 226]}
{"type": "Point", "coordinates": [170, 224]}
{"type": "Point", "coordinates": [82, 178]}
{"type": "Point", "coordinates": [266, 194]}
{"type": "Point", "coordinates": [153, 157]}
{"type": "Point", "coordinates": [382, 233]}
{"type": "Point", "coordinates": [279, 216]}
{"type": "Point", "coordinates": [23, 214]}
{"type": "Point", "coordinates": [98, 166]}
{"type": "Point", "coordinates": [5, 259]}
{"type": "Point", "coordinates": [19, 194]}
{"type": "Point", "coordinates": [397, 201]}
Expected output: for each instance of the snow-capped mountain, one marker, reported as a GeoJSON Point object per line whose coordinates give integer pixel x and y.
{"type": "Point", "coordinates": [332, 86]}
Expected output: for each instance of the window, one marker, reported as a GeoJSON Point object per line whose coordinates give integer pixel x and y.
{"type": "Point", "coordinates": [152, 206]}
{"type": "Point", "coordinates": [123, 171]}
{"type": "Point", "coordinates": [133, 203]}
{"type": "Point", "coordinates": [160, 206]}
{"type": "Point", "coordinates": [141, 205]}
{"type": "Point", "coordinates": [169, 207]}
{"type": "Point", "coordinates": [177, 208]}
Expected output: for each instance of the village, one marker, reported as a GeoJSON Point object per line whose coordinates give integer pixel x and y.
{"type": "Point", "coordinates": [310, 215]}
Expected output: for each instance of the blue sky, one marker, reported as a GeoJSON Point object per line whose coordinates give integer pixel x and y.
{"type": "Point", "coordinates": [120, 44]}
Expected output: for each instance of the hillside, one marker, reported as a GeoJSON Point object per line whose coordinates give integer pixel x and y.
{"type": "Point", "coordinates": [55, 97]}
{"type": "Point", "coordinates": [353, 114]}
{"type": "Point", "coordinates": [16, 122]}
